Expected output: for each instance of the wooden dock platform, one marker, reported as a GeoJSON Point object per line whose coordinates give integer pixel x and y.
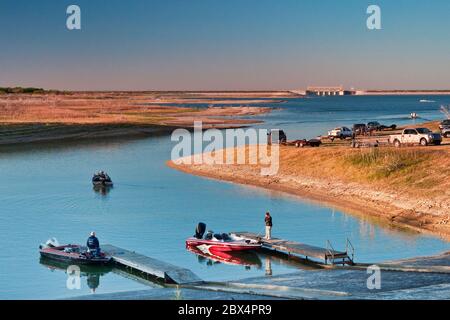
{"type": "Point", "coordinates": [304, 250]}
{"type": "Point", "coordinates": [150, 266]}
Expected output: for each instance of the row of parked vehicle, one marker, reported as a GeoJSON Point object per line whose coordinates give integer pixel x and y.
{"type": "Point", "coordinates": [422, 136]}
{"type": "Point", "coordinates": [358, 129]}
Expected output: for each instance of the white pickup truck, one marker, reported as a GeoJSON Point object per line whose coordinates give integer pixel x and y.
{"type": "Point", "coordinates": [341, 133]}
{"type": "Point", "coordinates": [422, 136]}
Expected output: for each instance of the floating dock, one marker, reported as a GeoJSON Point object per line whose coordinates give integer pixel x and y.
{"type": "Point", "coordinates": [304, 250]}
{"type": "Point", "coordinates": [150, 266]}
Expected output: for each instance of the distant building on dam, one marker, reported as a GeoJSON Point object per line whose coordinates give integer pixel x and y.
{"type": "Point", "coordinates": [328, 91]}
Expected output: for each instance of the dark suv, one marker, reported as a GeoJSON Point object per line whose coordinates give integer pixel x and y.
{"type": "Point", "coordinates": [444, 123]}
{"type": "Point", "coordinates": [444, 126]}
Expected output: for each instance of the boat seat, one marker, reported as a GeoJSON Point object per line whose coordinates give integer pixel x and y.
{"type": "Point", "coordinates": [208, 236]}
{"type": "Point", "coordinates": [225, 237]}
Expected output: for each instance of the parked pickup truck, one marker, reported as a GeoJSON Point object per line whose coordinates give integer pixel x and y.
{"type": "Point", "coordinates": [422, 136]}
{"type": "Point", "coordinates": [341, 133]}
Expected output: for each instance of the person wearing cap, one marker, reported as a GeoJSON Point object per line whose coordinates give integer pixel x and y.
{"type": "Point", "coordinates": [268, 221]}
{"type": "Point", "coordinates": [93, 244]}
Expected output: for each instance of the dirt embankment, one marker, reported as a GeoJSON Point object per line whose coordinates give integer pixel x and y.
{"type": "Point", "coordinates": [406, 187]}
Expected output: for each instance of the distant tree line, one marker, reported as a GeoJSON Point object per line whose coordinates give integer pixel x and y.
{"type": "Point", "coordinates": [8, 90]}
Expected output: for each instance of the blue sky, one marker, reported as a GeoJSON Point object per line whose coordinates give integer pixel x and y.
{"type": "Point", "coordinates": [224, 45]}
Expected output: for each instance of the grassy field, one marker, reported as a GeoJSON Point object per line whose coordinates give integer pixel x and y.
{"type": "Point", "coordinates": [412, 170]}
{"type": "Point", "coordinates": [29, 114]}
{"type": "Point", "coordinates": [119, 107]}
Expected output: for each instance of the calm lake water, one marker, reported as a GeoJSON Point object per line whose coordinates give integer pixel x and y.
{"type": "Point", "coordinates": [45, 191]}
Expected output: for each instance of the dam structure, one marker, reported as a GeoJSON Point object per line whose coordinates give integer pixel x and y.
{"type": "Point", "coordinates": [328, 91]}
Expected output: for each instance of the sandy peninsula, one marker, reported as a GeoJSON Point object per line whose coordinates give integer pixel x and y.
{"type": "Point", "coordinates": [45, 116]}
{"type": "Point", "coordinates": [407, 187]}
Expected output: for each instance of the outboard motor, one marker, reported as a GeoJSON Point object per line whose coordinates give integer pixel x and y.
{"type": "Point", "coordinates": [200, 230]}
{"type": "Point", "coordinates": [282, 136]}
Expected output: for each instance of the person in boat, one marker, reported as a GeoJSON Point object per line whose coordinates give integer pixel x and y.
{"type": "Point", "coordinates": [93, 244]}
{"type": "Point", "coordinates": [268, 221]}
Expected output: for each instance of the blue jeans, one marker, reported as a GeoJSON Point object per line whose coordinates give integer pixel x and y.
{"type": "Point", "coordinates": [95, 252]}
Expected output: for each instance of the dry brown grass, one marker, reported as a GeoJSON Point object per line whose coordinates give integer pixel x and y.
{"type": "Point", "coordinates": [53, 116]}
{"type": "Point", "coordinates": [414, 170]}
{"type": "Point", "coordinates": [113, 108]}
{"type": "Point", "coordinates": [81, 109]}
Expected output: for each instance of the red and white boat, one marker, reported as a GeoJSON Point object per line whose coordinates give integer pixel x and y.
{"type": "Point", "coordinates": [220, 242]}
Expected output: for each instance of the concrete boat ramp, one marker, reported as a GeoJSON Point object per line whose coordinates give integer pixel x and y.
{"type": "Point", "coordinates": [404, 279]}
{"type": "Point", "coordinates": [322, 284]}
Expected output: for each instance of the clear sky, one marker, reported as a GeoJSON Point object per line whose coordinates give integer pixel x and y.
{"type": "Point", "coordinates": [224, 44]}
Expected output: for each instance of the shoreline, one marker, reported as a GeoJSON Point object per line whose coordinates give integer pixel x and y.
{"type": "Point", "coordinates": [49, 133]}
{"type": "Point", "coordinates": [397, 209]}
{"type": "Point", "coordinates": [347, 204]}
{"type": "Point", "coordinates": [34, 133]}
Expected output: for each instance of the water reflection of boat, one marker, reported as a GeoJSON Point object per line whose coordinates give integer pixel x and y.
{"type": "Point", "coordinates": [103, 190]}
{"type": "Point", "coordinates": [211, 256]}
{"type": "Point", "coordinates": [91, 273]}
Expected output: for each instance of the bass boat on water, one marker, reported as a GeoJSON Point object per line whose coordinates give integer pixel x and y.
{"type": "Point", "coordinates": [220, 242]}
{"type": "Point", "coordinates": [71, 253]}
{"type": "Point", "coordinates": [101, 178]}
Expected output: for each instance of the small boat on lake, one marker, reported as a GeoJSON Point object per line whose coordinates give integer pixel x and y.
{"type": "Point", "coordinates": [71, 253]}
{"type": "Point", "coordinates": [214, 242]}
{"type": "Point", "coordinates": [101, 178]}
